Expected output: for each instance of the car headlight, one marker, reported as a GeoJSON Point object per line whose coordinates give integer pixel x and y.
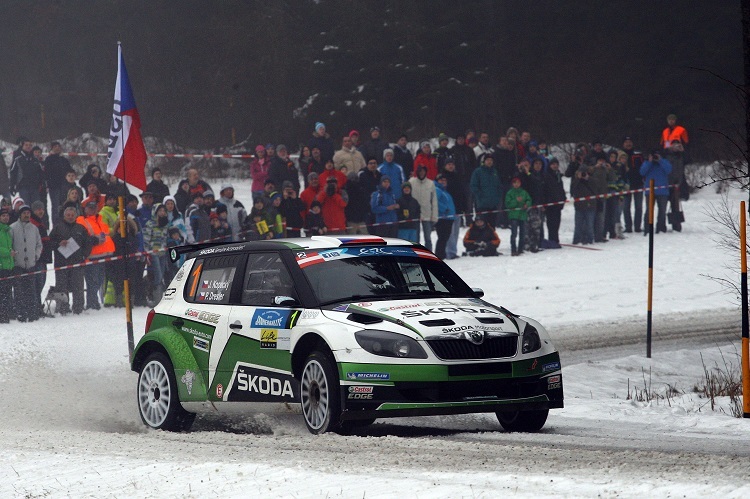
{"type": "Point", "coordinates": [530, 341]}
{"type": "Point", "coordinates": [389, 344]}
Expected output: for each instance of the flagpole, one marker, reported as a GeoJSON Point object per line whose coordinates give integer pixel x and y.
{"type": "Point", "coordinates": [124, 234]}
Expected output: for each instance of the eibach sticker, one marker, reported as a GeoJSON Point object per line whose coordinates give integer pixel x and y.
{"type": "Point", "coordinates": [219, 390]}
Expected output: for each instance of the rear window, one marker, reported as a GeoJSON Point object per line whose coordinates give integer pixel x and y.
{"type": "Point", "coordinates": [211, 280]}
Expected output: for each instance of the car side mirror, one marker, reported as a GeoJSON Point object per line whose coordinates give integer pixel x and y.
{"type": "Point", "coordinates": [284, 301]}
{"type": "Point", "coordinates": [478, 292]}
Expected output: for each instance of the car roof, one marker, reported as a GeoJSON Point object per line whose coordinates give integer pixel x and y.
{"type": "Point", "coordinates": [295, 244]}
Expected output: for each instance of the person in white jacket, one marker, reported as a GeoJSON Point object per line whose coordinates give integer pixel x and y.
{"type": "Point", "coordinates": [423, 190]}
{"type": "Point", "coordinates": [27, 244]}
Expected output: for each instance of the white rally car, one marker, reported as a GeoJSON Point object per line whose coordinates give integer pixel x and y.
{"type": "Point", "coordinates": [343, 329]}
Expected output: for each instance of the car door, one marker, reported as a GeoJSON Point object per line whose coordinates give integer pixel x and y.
{"type": "Point", "coordinates": [209, 292]}
{"type": "Point", "coordinates": [257, 360]}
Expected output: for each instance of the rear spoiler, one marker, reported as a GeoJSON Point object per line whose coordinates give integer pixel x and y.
{"type": "Point", "coordinates": [176, 252]}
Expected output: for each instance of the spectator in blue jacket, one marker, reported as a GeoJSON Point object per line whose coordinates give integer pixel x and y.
{"type": "Point", "coordinates": [394, 172]}
{"type": "Point", "coordinates": [446, 214]}
{"type": "Point", "coordinates": [384, 206]}
{"type": "Point", "coordinates": [658, 169]}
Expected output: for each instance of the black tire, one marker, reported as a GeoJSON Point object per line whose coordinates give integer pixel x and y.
{"type": "Point", "coordinates": [320, 393]}
{"type": "Point", "coordinates": [157, 396]}
{"type": "Point", "coordinates": [523, 421]}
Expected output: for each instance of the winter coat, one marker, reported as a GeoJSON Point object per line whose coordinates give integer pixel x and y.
{"type": "Point", "coordinates": [159, 189]}
{"type": "Point", "coordinates": [505, 163]}
{"type": "Point", "coordinates": [118, 188]}
{"type": "Point", "coordinates": [481, 150]}
{"type": "Point", "coordinates": [358, 209]}
{"type": "Point", "coordinates": [457, 190]}
{"type": "Point", "coordinates": [446, 208]}
{"type": "Point", "coordinates": [62, 231]}
{"type": "Point", "coordinates": [235, 214]}
{"type": "Point", "coordinates": [581, 187]}
{"type": "Point", "coordinates": [41, 226]}
{"type": "Point", "coordinates": [677, 160]}
{"type": "Point", "coordinates": [429, 161]}
{"type": "Point", "coordinates": [404, 158]}
{"type": "Point", "coordinates": [6, 246]}
{"type": "Point", "coordinates": [26, 172]}
{"type": "Point", "coordinates": [56, 167]}
{"type": "Point", "coordinates": [176, 219]}
{"type": "Point", "coordinates": [635, 161]}
{"type": "Point", "coordinates": [309, 194]}
{"type": "Point", "coordinates": [373, 149]}
{"type": "Point", "coordinates": [536, 187]}
{"type": "Point", "coordinates": [27, 243]}
{"type": "Point", "coordinates": [95, 226]}
{"type": "Point", "coordinates": [333, 209]}
{"type": "Point", "coordinates": [659, 171]}
{"type": "Point", "coordinates": [617, 178]}
{"type": "Point", "coordinates": [369, 180]}
{"type": "Point", "coordinates": [293, 209]}
{"type": "Point", "coordinates": [4, 179]}
{"type": "Point", "coordinates": [155, 235]}
{"type": "Point", "coordinates": [111, 218]}
{"type": "Point", "coordinates": [485, 188]}
{"type": "Point", "coordinates": [182, 198]}
{"type": "Point", "coordinates": [200, 224]}
{"type": "Point", "coordinates": [351, 158]}
{"type": "Point", "coordinates": [466, 162]}
{"type": "Point", "coordinates": [259, 168]}
{"type": "Point", "coordinates": [517, 209]}
{"type": "Point", "coordinates": [314, 224]}
{"type": "Point", "coordinates": [599, 179]}
{"type": "Point", "coordinates": [325, 144]}
{"type": "Point", "coordinates": [281, 170]}
{"type": "Point", "coordinates": [554, 191]}
{"type": "Point", "coordinates": [476, 235]}
{"type": "Point", "coordinates": [379, 202]}
{"type": "Point", "coordinates": [408, 209]}
{"type": "Point", "coordinates": [424, 191]}
{"type": "Point", "coordinates": [396, 174]}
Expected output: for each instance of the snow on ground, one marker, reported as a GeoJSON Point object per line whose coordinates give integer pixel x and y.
{"type": "Point", "coordinates": [70, 426]}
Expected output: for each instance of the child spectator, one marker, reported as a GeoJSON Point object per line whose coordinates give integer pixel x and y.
{"type": "Point", "coordinates": [408, 215]}
{"type": "Point", "coordinates": [255, 227]}
{"type": "Point", "coordinates": [481, 239]}
{"type": "Point", "coordinates": [220, 232]}
{"type": "Point", "coordinates": [517, 200]}
{"type": "Point", "coordinates": [314, 224]}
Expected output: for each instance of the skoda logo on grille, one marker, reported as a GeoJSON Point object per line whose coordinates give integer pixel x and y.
{"type": "Point", "coordinates": [476, 337]}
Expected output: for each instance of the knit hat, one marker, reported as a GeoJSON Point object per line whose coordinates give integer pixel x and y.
{"type": "Point", "coordinates": [319, 125]}
{"type": "Point", "coordinates": [374, 129]}
{"type": "Point", "coordinates": [4, 211]}
{"type": "Point", "coordinates": [225, 187]}
{"type": "Point", "coordinates": [275, 195]}
{"type": "Point", "coordinates": [353, 133]}
{"type": "Point", "coordinates": [442, 137]}
{"type": "Point", "coordinates": [425, 143]}
{"type": "Point", "coordinates": [26, 208]}
{"type": "Point", "coordinates": [15, 200]}
{"type": "Point", "coordinates": [440, 176]}
{"type": "Point", "coordinates": [514, 179]}
{"type": "Point", "coordinates": [315, 203]}
{"type": "Point", "coordinates": [405, 185]}
{"type": "Point", "coordinates": [209, 194]}
{"type": "Point", "coordinates": [287, 185]}
{"type": "Point", "coordinates": [554, 161]}
{"type": "Point", "coordinates": [280, 147]}
{"type": "Point", "coordinates": [214, 216]}
{"type": "Point", "coordinates": [387, 151]}
{"type": "Point", "coordinates": [312, 176]}
{"type": "Point", "coordinates": [260, 147]}
{"type": "Point", "coordinates": [36, 205]}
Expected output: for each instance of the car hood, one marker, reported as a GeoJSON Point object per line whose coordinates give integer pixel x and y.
{"type": "Point", "coordinates": [430, 317]}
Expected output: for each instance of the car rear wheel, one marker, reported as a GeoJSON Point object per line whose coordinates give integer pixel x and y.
{"type": "Point", "coordinates": [158, 401]}
{"type": "Point", "coordinates": [523, 421]}
{"type": "Point", "coordinates": [320, 394]}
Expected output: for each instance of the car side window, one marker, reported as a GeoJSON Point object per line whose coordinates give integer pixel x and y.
{"type": "Point", "coordinates": [211, 280]}
{"type": "Point", "coordinates": [266, 277]}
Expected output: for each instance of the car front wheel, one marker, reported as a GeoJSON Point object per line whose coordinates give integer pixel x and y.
{"type": "Point", "coordinates": [158, 401]}
{"type": "Point", "coordinates": [319, 394]}
{"type": "Point", "coordinates": [523, 421]}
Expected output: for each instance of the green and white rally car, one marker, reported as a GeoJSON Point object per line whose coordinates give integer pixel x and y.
{"type": "Point", "coordinates": [344, 330]}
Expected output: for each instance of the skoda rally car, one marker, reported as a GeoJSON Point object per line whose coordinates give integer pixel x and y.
{"type": "Point", "coordinates": [344, 330]}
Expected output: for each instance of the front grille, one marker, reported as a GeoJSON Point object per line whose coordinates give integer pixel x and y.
{"type": "Point", "coordinates": [449, 391]}
{"type": "Point", "coordinates": [492, 348]}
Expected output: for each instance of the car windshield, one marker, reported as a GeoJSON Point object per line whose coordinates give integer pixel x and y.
{"type": "Point", "coordinates": [378, 272]}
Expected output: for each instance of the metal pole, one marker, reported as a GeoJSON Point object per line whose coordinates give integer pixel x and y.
{"type": "Point", "coordinates": [745, 321]}
{"type": "Point", "coordinates": [126, 282]}
{"type": "Point", "coordinates": [650, 264]}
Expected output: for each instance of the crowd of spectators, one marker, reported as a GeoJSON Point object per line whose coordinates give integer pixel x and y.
{"type": "Point", "coordinates": [364, 187]}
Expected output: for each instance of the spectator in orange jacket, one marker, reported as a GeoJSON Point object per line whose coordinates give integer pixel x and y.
{"type": "Point", "coordinates": [673, 132]}
{"type": "Point", "coordinates": [481, 239]}
{"type": "Point", "coordinates": [102, 246]}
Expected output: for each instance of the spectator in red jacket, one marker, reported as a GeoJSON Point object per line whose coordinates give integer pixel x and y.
{"type": "Point", "coordinates": [426, 158]}
{"type": "Point", "coordinates": [333, 200]}
{"type": "Point", "coordinates": [331, 171]}
{"type": "Point", "coordinates": [311, 191]}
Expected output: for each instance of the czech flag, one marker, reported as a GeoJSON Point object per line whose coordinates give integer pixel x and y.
{"type": "Point", "coordinates": [126, 153]}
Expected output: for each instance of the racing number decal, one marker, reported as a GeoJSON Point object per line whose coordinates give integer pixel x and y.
{"type": "Point", "coordinates": [194, 277]}
{"type": "Point", "coordinates": [293, 319]}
